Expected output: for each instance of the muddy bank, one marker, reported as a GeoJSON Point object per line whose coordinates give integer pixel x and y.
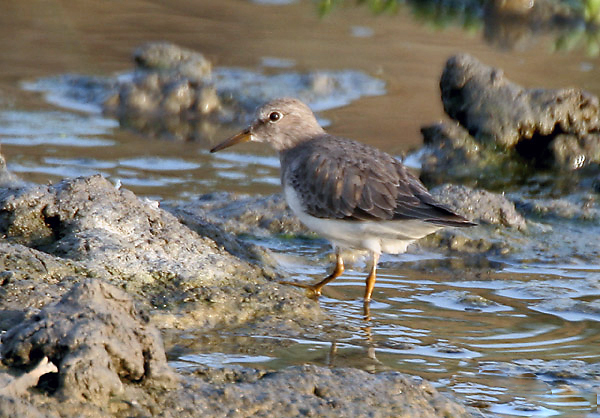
{"type": "Point", "coordinates": [91, 270]}
{"type": "Point", "coordinates": [87, 227]}
{"type": "Point", "coordinates": [513, 226]}
{"type": "Point", "coordinates": [95, 354]}
{"type": "Point", "coordinates": [60, 236]}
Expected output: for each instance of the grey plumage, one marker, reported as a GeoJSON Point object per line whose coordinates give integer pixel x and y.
{"type": "Point", "coordinates": [355, 195]}
{"type": "Point", "coordinates": [343, 179]}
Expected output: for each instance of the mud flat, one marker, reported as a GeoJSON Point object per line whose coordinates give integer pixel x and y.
{"type": "Point", "coordinates": [90, 274]}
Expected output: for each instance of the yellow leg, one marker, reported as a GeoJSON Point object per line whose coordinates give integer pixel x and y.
{"type": "Point", "coordinates": [371, 277]}
{"type": "Point", "coordinates": [315, 289]}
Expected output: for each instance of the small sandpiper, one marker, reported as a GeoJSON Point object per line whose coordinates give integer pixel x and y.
{"type": "Point", "coordinates": [354, 195]}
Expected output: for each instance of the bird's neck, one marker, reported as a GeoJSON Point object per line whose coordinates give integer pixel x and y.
{"type": "Point", "coordinates": [292, 140]}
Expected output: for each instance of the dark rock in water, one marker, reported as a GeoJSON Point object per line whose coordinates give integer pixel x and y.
{"type": "Point", "coordinates": [97, 340]}
{"type": "Point", "coordinates": [164, 56]}
{"type": "Point", "coordinates": [450, 152]}
{"type": "Point", "coordinates": [174, 92]}
{"type": "Point", "coordinates": [480, 205]}
{"type": "Point", "coordinates": [168, 81]}
{"type": "Point", "coordinates": [547, 127]}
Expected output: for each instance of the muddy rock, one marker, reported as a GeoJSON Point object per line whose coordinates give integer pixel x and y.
{"type": "Point", "coordinates": [577, 206]}
{"type": "Point", "coordinates": [12, 389]}
{"type": "Point", "coordinates": [96, 339]}
{"type": "Point", "coordinates": [89, 219]}
{"type": "Point", "coordinates": [110, 362]}
{"type": "Point", "coordinates": [11, 407]}
{"type": "Point", "coordinates": [244, 214]}
{"type": "Point", "coordinates": [500, 229]}
{"type": "Point", "coordinates": [451, 153]}
{"type": "Point", "coordinates": [174, 92]}
{"type": "Point", "coordinates": [87, 227]}
{"type": "Point", "coordinates": [480, 205]}
{"type": "Point", "coordinates": [165, 56]}
{"type": "Point", "coordinates": [30, 279]}
{"type": "Point", "coordinates": [547, 127]}
{"type": "Point", "coordinates": [317, 391]}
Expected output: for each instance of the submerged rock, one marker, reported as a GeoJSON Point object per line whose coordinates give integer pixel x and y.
{"type": "Point", "coordinates": [574, 371]}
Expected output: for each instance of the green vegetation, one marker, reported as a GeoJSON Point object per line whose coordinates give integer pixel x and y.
{"type": "Point", "coordinates": [572, 24]}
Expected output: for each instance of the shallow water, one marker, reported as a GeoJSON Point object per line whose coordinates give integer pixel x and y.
{"type": "Point", "coordinates": [495, 337]}
{"type": "Point", "coordinates": [514, 338]}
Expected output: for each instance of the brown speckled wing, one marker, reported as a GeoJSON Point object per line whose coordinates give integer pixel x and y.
{"type": "Point", "coordinates": [343, 179]}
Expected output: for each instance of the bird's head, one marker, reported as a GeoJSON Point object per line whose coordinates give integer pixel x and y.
{"type": "Point", "coordinates": [283, 123]}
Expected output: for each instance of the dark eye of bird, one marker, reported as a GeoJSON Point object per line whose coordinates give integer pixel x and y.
{"type": "Point", "coordinates": [274, 116]}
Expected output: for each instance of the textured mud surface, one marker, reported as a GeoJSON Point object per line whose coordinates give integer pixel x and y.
{"type": "Point", "coordinates": [66, 243]}
{"type": "Point", "coordinates": [106, 358]}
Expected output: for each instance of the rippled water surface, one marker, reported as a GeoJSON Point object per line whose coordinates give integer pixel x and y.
{"type": "Point", "coordinates": [509, 337]}
{"type": "Point", "coordinates": [494, 337]}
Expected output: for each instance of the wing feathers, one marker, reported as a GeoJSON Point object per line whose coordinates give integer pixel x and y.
{"type": "Point", "coordinates": [344, 179]}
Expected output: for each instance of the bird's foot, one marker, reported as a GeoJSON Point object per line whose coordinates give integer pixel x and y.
{"type": "Point", "coordinates": [312, 291]}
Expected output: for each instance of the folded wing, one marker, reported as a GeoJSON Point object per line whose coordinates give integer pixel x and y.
{"type": "Point", "coordinates": [343, 179]}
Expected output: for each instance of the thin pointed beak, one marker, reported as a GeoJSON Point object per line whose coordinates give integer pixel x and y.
{"type": "Point", "coordinates": [244, 136]}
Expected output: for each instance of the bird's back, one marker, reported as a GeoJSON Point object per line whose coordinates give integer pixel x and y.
{"type": "Point", "coordinates": [338, 178]}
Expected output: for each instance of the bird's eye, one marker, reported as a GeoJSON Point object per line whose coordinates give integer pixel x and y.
{"type": "Point", "coordinates": [274, 116]}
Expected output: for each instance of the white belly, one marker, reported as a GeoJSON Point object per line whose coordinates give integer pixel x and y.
{"type": "Point", "coordinates": [378, 236]}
